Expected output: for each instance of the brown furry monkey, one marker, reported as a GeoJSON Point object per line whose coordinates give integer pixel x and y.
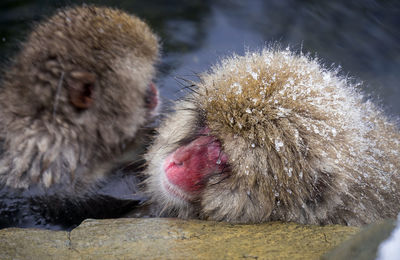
{"type": "Point", "coordinates": [74, 98]}
{"type": "Point", "coordinates": [274, 135]}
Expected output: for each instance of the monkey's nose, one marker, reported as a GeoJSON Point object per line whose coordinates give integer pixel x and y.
{"type": "Point", "coordinates": [180, 156]}
{"type": "Point", "coordinates": [151, 97]}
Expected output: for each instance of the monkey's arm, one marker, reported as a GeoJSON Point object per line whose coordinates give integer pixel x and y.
{"type": "Point", "coordinates": [52, 209]}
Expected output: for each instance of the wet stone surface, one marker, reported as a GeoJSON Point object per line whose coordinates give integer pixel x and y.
{"type": "Point", "coordinates": [364, 245]}
{"type": "Point", "coordinates": [148, 238]}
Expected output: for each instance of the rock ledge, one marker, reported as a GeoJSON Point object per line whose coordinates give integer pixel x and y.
{"type": "Point", "coordinates": [147, 238]}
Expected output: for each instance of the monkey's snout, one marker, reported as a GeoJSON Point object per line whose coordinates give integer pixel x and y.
{"type": "Point", "coordinates": [189, 167]}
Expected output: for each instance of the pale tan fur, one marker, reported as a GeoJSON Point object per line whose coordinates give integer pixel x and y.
{"type": "Point", "coordinates": [302, 143]}
{"type": "Point", "coordinates": [45, 140]}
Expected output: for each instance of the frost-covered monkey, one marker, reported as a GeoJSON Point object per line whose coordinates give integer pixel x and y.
{"type": "Point", "coordinates": [274, 135]}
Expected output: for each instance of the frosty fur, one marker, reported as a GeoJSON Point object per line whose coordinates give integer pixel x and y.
{"type": "Point", "coordinates": [303, 144]}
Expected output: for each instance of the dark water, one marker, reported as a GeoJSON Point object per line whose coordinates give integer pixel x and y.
{"type": "Point", "coordinates": [363, 37]}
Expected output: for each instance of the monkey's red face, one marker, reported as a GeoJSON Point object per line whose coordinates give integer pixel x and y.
{"type": "Point", "coordinates": [188, 168]}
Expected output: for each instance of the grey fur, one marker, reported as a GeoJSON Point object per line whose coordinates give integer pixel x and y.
{"type": "Point", "coordinates": [303, 145]}
{"type": "Point", "coordinates": [46, 141]}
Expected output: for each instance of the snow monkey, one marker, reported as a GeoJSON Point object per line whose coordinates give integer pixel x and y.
{"type": "Point", "coordinates": [77, 93]}
{"type": "Point", "coordinates": [274, 135]}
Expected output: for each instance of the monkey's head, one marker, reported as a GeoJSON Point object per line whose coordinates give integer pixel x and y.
{"type": "Point", "coordinates": [86, 71]}
{"type": "Point", "coordinates": [237, 149]}
{"type": "Point", "coordinates": [79, 90]}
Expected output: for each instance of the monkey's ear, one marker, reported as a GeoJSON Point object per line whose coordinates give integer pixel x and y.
{"type": "Point", "coordinates": [80, 88]}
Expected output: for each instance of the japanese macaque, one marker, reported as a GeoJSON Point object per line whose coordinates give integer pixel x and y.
{"type": "Point", "coordinates": [274, 135]}
{"type": "Point", "coordinates": [74, 99]}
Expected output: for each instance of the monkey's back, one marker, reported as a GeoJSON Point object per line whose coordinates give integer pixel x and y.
{"type": "Point", "coordinates": [305, 132]}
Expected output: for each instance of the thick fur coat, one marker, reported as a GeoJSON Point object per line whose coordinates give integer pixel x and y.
{"type": "Point", "coordinates": [72, 104]}
{"type": "Point", "coordinates": [302, 143]}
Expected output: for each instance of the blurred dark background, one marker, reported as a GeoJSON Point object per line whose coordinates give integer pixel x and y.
{"type": "Point", "coordinates": [363, 37]}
